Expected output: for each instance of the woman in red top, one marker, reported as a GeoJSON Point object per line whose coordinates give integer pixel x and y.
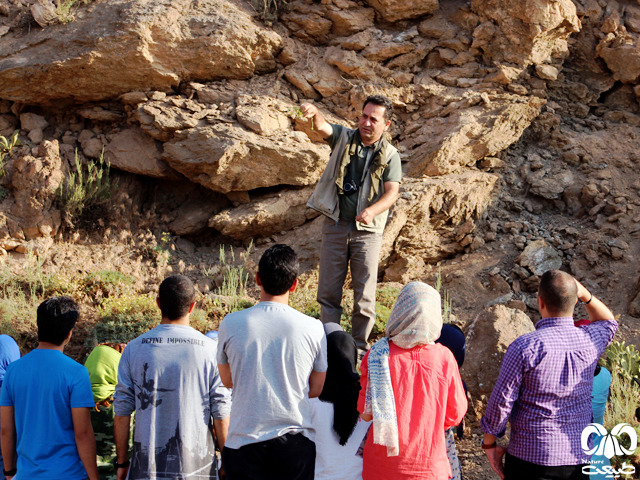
{"type": "Point", "coordinates": [411, 389]}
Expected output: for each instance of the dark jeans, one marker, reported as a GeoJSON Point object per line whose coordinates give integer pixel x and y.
{"type": "Point", "coordinates": [289, 457]}
{"type": "Point", "coordinates": [516, 469]}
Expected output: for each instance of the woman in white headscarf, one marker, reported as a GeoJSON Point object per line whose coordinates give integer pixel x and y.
{"type": "Point", "coordinates": [411, 389]}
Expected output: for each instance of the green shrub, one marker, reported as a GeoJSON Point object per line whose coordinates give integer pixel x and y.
{"type": "Point", "coordinates": [85, 187]}
{"type": "Point", "coordinates": [445, 299]}
{"type": "Point", "coordinates": [33, 280]}
{"type": "Point", "coordinates": [106, 283]}
{"type": "Point", "coordinates": [18, 316]}
{"type": "Point", "coordinates": [6, 145]}
{"type": "Point", "coordinates": [65, 9]}
{"type": "Point", "coordinates": [623, 361]}
{"type": "Point", "coordinates": [123, 318]}
{"type": "Point", "coordinates": [303, 298]}
{"type": "Point", "coordinates": [234, 278]}
{"type": "Point", "coordinates": [268, 10]}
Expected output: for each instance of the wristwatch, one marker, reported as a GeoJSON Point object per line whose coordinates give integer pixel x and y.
{"type": "Point", "coordinates": [124, 464]}
{"type": "Point", "coordinates": [10, 473]}
{"type": "Point", "coordinates": [488, 446]}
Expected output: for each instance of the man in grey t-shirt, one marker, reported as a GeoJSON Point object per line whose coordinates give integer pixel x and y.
{"type": "Point", "coordinates": [275, 359]}
{"type": "Point", "coordinates": [169, 377]}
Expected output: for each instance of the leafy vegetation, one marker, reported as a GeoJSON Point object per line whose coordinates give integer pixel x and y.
{"type": "Point", "coordinates": [234, 278]}
{"type": "Point", "coordinates": [65, 9]}
{"type": "Point", "coordinates": [268, 10]}
{"type": "Point", "coordinates": [106, 283]}
{"type": "Point", "coordinates": [297, 113]}
{"type": "Point", "coordinates": [623, 361]}
{"type": "Point", "coordinates": [6, 146]}
{"type": "Point", "coordinates": [21, 291]}
{"type": "Point", "coordinates": [123, 318]}
{"type": "Point", "coordinates": [445, 298]}
{"type": "Point", "coordinates": [86, 187]}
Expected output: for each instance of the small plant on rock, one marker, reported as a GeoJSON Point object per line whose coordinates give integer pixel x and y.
{"type": "Point", "coordinates": [65, 9]}
{"type": "Point", "coordinates": [268, 10]}
{"type": "Point", "coordinates": [233, 278]}
{"type": "Point", "coordinates": [446, 299]}
{"type": "Point", "coordinates": [6, 145]}
{"type": "Point", "coordinates": [86, 187]}
{"type": "Point", "coordinates": [297, 113]}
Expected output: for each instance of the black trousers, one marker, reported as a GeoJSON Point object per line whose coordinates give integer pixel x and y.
{"type": "Point", "coordinates": [516, 469]}
{"type": "Point", "coordinates": [289, 457]}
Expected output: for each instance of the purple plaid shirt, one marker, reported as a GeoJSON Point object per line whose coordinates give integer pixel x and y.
{"type": "Point", "coordinates": [544, 388]}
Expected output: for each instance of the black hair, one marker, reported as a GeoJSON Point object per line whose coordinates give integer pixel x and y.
{"type": "Point", "coordinates": [278, 269]}
{"type": "Point", "coordinates": [56, 317]}
{"type": "Point", "coordinates": [175, 296]}
{"type": "Point", "coordinates": [559, 292]}
{"type": "Point", "coordinates": [381, 101]}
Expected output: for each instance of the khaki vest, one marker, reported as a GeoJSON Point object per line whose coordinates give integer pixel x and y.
{"type": "Point", "coordinates": [324, 198]}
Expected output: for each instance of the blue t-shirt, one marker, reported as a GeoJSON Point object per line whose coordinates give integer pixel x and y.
{"type": "Point", "coordinates": [43, 387]}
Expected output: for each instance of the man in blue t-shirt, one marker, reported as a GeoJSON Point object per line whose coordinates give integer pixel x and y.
{"type": "Point", "coordinates": [45, 405]}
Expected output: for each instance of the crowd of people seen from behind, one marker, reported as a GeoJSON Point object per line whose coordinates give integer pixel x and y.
{"type": "Point", "coordinates": [276, 394]}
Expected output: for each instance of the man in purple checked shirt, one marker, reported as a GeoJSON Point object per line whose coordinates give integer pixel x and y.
{"type": "Point", "coordinates": [544, 386]}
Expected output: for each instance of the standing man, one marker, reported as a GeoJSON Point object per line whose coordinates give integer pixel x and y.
{"type": "Point", "coordinates": [275, 359]}
{"type": "Point", "coordinates": [46, 403]}
{"type": "Point", "coordinates": [359, 185]}
{"type": "Point", "coordinates": [169, 377]}
{"type": "Point", "coordinates": [544, 386]}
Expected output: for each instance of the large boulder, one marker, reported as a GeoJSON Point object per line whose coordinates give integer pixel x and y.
{"type": "Point", "coordinates": [448, 143]}
{"type": "Point", "coordinates": [227, 158]}
{"type": "Point", "coordinates": [265, 215]}
{"type": "Point", "coordinates": [622, 59]}
{"type": "Point", "coordinates": [117, 46]}
{"type": "Point", "coordinates": [524, 33]}
{"type": "Point", "coordinates": [538, 256]}
{"type": "Point", "coordinates": [30, 211]}
{"type": "Point", "coordinates": [488, 338]}
{"type": "Point", "coordinates": [394, 10]}
{"type": "Point", "coordinates": [431, 221]}
{"type": "Point", "coordinates": [133, 151]}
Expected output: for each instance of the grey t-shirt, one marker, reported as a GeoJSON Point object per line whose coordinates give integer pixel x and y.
{"type": "Point", "coordinates": [271, 350]}
{"type": "Point", "coordinates": [169, 376]}
{"type": "Point", "coordinates": [393, 173]}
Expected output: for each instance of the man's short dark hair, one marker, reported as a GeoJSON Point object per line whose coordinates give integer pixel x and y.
{"type": "Point", "coordinates": [56, 317]}
{"type": "Point", "coordinates": [559, 291]}
{"type": "Point", "coordinates": [175, 296]}
{"type": "Point", "coordinates": [278, 269]}
{"type": "Point", "coordinates": [381, 101]}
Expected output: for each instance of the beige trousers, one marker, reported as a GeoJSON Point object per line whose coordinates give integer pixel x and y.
{"type": "Point", "coordinates": [343, 247]}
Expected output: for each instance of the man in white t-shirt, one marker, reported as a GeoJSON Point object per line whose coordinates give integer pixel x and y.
{"type": "Point", "coordinates": [275, 359]}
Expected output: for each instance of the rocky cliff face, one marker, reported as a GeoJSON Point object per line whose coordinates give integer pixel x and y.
{"type": "Point", "coordinates": [516, 121]}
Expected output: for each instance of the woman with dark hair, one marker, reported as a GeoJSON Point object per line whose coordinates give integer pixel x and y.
{"type": "Point", "coordinates": [452, 337]}
{"type": "Point", "coordinates": [412, 390]}
{"type": "Point", "coordinates": [334, 415]}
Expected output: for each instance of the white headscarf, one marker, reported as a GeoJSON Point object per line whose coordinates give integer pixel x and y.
{"type": "Point", "coordinates": [416, 319]}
